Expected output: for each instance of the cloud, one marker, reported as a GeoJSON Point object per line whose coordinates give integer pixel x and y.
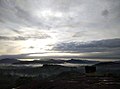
{"type": "Point", "coordinates": [67, 22]}
{"type": "Point", "coordinates": [12, 38]}
{"type": "Point", "coordinates": [18, 38]}
{"type": "Point", "coordinates": [31, 47]}
{"type": "Point", "coordinates": [19, 56]}
{"type": "Point", "coordinates": [108, 45]}
{"type": "Point", "coordinates": [105, 13]}
{"type": "Point", "coordinates": [16, 31]}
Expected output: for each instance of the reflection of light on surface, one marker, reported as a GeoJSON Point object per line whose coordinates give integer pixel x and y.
{"type": "Point", "coordinates": [26, 59]}
{"type": "Point", "coordinates": [56, 54]}
{"type": "Point", "coordinates": [74, 64]}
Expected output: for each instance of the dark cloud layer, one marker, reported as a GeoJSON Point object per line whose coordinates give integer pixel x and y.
{"type": "Point", "coordinates": [105, 13]}
{"type": "Point", "coordinates": [109, 45]}
{"type": "Point", "coordinates": [17, 38]}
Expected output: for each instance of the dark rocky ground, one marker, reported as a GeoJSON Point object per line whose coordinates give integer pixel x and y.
{"type": "Point", "coordinates": [77, 83]}
{"type": "Point", "coordinates": [66, 80]}
{"type": "Point", "coordinates": [60, 77]}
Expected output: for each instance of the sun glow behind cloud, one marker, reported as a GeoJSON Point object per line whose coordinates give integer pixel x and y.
{"type": "Point", "coordinates": [36, 45]}
{"type": "Point", "coordinates": [48, 14]}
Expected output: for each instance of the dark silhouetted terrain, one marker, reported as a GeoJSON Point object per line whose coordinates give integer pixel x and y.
{"type": "Point", "coordinates": [53, 76]}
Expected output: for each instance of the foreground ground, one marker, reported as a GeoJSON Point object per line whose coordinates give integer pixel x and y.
{"type": "Point", "coordinates": [70, 81]}
{"type": "Point", "coordinates": [65, 80]}
{"type": "Point", "coordinates": [62, 81]}
{"type": "Point", "coordinates": [60, 77]}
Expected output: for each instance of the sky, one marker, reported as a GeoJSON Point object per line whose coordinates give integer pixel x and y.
{"type": "Point", "coordinates": [60, 28]}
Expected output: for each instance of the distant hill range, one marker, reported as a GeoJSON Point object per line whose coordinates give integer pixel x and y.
{"type": "Point", "coordinates": [8, 61]}
{"type": "Point", "coordinates": [52, 61]}
{"type": "Point", "coordinates": [77, 61]}
{"type": "Point", "coordinates": [108, 64]}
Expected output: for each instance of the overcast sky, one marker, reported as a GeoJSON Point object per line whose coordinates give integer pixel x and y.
{"type": "Point", "coordinates": [74, 28]}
